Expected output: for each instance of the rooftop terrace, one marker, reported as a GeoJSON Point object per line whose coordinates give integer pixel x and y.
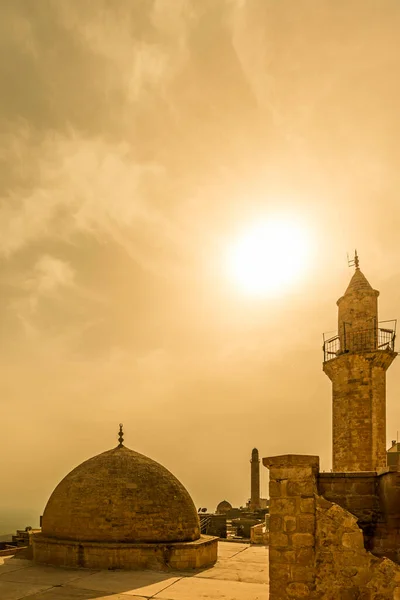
{"type": "Point", "coordinates": [241, 573]}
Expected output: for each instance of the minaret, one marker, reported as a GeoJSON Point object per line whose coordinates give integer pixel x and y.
{"type": "Point", "coordinates": [255, 480]}
{"type": "Point", "coordinates": [356, 361]}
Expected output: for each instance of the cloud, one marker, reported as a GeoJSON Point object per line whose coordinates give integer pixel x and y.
{"type": "Point", "coordinates": [52, 273]}
{"type": "Point", "coordinates": [47, 280]}
{"type": "Point", "coordinates": [84, 185]}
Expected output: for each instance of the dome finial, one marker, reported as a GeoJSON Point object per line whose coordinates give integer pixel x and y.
{"type": "Point", "coordinates": [120, 436]}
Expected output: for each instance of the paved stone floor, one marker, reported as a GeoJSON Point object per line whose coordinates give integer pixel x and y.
{"type": "Point", "coordinates": [241, 573]}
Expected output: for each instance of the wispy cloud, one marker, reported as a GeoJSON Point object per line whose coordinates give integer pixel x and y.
{"type": "Point", "coordinates": [52, 273]}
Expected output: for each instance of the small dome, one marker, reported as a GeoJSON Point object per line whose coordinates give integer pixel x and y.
{"type": "Point", "coordinates": [121, 496]}
{"type": "Point", "coordinates": [223, 507]}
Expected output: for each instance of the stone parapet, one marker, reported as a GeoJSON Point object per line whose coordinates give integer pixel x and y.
{"type": "Point", "coordinates": [357, 492]}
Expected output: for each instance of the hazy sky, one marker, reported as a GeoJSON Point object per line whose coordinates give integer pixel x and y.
{"type": "Point", "coordinates": [139, 138]}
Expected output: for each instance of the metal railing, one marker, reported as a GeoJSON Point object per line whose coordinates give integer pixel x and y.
{"type": "Point", "coordinates": [363, 340]}
{"type": "Point", "coordinates": [204, 523]}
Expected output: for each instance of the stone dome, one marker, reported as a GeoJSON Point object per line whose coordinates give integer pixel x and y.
{"type": "Point", "coordinates": [121, 496]}
{"type": "Point", "coordinates": [224, 507]}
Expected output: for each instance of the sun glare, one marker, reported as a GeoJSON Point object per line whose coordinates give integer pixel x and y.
{"type": "Point", "coordinates": [269, 257]}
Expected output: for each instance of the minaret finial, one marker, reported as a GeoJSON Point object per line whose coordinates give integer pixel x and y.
{"type": "Point", "coordinates": [120, 436]}
{"type": "Point", "coordinates": [356, 260]}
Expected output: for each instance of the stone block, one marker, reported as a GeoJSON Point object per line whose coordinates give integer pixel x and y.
{"type": "Point", "coordinates": [298, 590]}
{"type": "Point", "coordinates": [352, 593]}
{"type": "Point", "coordinates": [282, 555]}
{"type": "Point", "coordinates": [353, 540]}
{"type": "Point", "coordinates": [307, 505]}
{"type": "Point", "coordinates": [275, 523]}
{"type": "Point", "coordinates": [278, 540]}
{"type": "Point", "coordinates": [289, 524]}
{"type": "Point", "coordinates": [363, 487]}
{"type": "Point", "coordinates": [322, 503]}
{"type": "Point", "coordinates": [349, 571]}
{"type": "Point", "coordinates": [303, 574]}
{"type": "Point", "coordinates": [303, 539]}
{"type": "Point", "coordinates": [276, 489]}
{"type": "Point", "coordinates": [291, 460]}
{"type": "Point", "coordinates": [293, 473]}
{"type": "Point", "coordinates": [279, 577]}
{"type": "Point", "coordinates": [284, 506]}
{"type": "Point", "coordinates": [357, 503]}
{"type": "Point", "coordinates": [305, 523]}
{"type": "Point", "coordinates": [301, 487]}
{"type": "Point", "coordinates": [305, 556]}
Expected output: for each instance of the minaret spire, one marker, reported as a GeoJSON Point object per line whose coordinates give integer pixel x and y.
{"type": "Point", "coordinates": [120, 436]}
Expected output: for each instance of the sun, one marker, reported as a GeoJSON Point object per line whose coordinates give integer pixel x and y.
{"type": "Point", "coordinates": [270, 256]}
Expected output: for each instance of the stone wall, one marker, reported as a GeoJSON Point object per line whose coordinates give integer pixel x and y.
{"type": "Point", "coordinates": [316, 547]}
{"type": "Point", "coordinates": [344, 569]}
{"type": "Point", "coordinates": [259, 534]}
{"type": "Point", "coordinates": [386, 540]}
{"type": "Point", "coordinates": [375, 500]}
{"type": "Point", "coordinates": [356, 492]}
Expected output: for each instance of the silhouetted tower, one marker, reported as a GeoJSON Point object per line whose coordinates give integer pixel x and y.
{"type": "Point", "coordinates": [356, 361]}
{"type": "Point", "coordinates": [255, 480]}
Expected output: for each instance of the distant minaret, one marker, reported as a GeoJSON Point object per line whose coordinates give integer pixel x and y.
{"type": "Point", "coordinates": [255, 480]}
{"type": "Point", "coordinates": [356, 362]}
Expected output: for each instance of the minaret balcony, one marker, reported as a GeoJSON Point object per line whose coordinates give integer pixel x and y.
{"type": "Point", "coordinates": [361, 340]}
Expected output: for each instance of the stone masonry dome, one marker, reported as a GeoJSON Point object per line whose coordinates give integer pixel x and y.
{"type": "Point", "coordinates": [121, 496]}
{"type": "Point", "coordinates": [223, 507]}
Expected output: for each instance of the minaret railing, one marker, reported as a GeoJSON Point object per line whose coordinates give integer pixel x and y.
{"type": "Point", "coordinates": [361, 340]}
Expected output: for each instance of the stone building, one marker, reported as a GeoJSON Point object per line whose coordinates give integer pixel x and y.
{"type": "Point", "coordinates": [24, 537]}
{"type": "Point", "coordinates": [336, 536]}
{"type": "Point", "coordinates": [122, 510]}
{"type": "Point", "coordinates": [393, 454]}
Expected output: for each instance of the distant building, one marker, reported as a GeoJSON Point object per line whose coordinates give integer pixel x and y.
{"type": "Point", "coordinates": [393, 454]}
{"type": "Point", "coordinates": [23, 537]}
{"type": "Point", "coordinates": [256, 502]}
{"type": "Point", "coordinates": [223, 507]}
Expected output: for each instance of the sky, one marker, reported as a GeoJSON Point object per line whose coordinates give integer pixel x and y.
{"type": "Point", "coordinates": [139, 141]}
